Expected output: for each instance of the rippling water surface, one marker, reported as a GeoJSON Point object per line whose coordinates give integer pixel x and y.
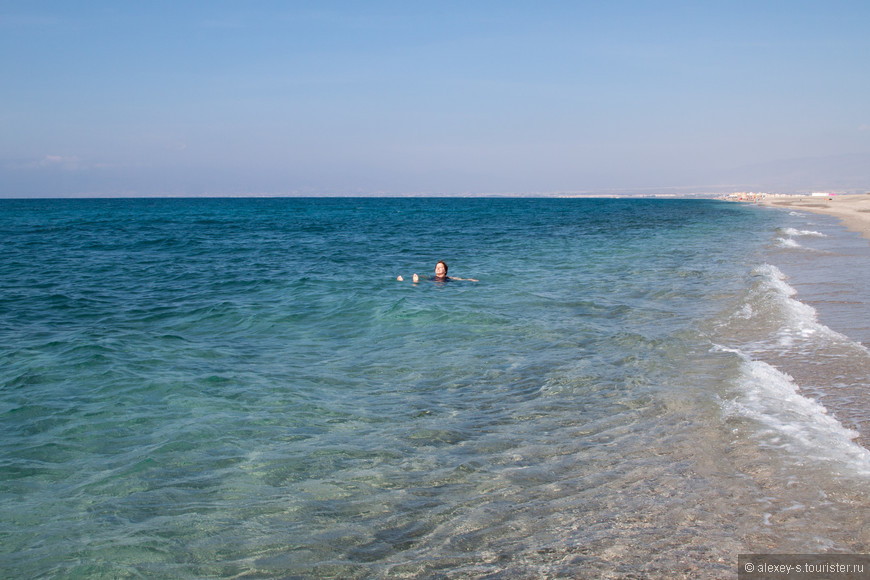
{"type": "Point", "coordinates": [242, 388]}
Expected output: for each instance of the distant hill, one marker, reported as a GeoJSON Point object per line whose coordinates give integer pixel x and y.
{"type": "Point", "coordinates": [840, 172]}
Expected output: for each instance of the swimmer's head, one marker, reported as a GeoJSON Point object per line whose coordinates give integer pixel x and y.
{"type": "Point", "coordinates": [441, 269]}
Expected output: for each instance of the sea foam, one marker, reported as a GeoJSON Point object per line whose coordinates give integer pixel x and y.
{"type": "Point", "coordinates": [797, 233]}
{"type": "Point", "coordinates": [791, 421]}
{"type": "Point", "coordinates": [796, 319]}
{"type": "Point", "coordinates": [781, 326]}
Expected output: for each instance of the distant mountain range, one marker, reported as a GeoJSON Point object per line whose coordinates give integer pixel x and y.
{"type": "Point", "coordinates": [840, 172]}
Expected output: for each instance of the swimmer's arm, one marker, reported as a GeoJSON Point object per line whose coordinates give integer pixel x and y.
{"type": "Point", "coordinates": [416, 279]}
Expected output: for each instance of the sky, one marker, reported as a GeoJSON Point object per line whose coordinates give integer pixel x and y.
{"type": "Point", "coordinates": [114, 98]}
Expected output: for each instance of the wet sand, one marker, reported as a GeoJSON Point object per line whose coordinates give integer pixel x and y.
{"type": "Point", "coordinates": [852, 210]}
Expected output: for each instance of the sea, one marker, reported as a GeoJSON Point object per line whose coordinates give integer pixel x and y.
{"type": "Point", "coordinates": [242, 388]}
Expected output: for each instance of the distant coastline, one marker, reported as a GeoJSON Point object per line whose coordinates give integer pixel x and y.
{"type": "Point", "coordinates": [852, 210]}
{"type": "Point", "coordinates": [665, 192]}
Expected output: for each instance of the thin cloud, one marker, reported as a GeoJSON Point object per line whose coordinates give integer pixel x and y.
{"type": "Point", "coordinates": [70, 163]}
{"type": "Point", "coordinates": [51, 162]}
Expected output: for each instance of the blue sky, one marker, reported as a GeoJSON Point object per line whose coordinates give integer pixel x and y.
{"type": "Point", "coordinates": [344, 98]}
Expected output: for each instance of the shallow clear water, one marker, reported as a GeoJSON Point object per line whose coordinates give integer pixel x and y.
{"type": "Point", "coordinates": [242, 388]}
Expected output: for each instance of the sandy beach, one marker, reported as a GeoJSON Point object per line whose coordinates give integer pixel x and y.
{"type": "Point", "coordinates": [853, 210]}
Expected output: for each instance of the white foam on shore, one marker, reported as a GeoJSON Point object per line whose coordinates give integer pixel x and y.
{"type": "Point", "coordinates": [801, 316]}
{"type": "Point", "coordinates": [789, 421]}
{"type": "Point", "coordinates": [787, 237]}
{"type": "Point", "coordinates": [787, 243]}
{"type": "Point", "coordinates": [798, 320]}
{"type": "Point", "coordinates": [794, 232]}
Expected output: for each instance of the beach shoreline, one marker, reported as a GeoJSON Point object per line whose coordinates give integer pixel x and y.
{"type": "Point", "coordinates": [852, 210]}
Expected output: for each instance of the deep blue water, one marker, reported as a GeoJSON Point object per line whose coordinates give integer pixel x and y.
{"type": "Point", "coordinates": [242, 388]}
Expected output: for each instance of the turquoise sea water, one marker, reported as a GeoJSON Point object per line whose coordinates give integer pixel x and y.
{"type": "Point", "coordinates": [241, 388]}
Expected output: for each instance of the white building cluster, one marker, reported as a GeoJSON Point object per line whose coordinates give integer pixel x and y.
{"type": "Point", "coordinates": [750, 196]}
{"type": "Point", "coordinates": [754, 197]}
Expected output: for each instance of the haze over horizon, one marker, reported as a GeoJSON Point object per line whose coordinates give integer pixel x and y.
{"type": "Point", "coordinates": [392, 98]}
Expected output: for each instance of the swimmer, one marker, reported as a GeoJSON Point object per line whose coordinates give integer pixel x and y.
{"type": "Point", "coordinates": [440, 275]}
